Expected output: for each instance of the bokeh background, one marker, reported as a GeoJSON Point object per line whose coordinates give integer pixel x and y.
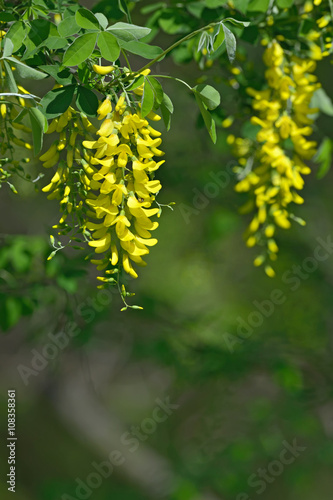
{"type": "Point", "coordinates": [238, 399]}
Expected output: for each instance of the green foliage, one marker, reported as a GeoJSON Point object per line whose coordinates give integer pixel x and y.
{"type": "Point", "coordinates": [324, 157]}
{"type": "Point", "coordinates": [80, 50]}
{"type": "Point", "coordinates": [57, 101]}
{"type": "Point", "coordinates": [108, 46]}
{"type": "Point", "coordinates": [281, 373]}
{"type": "Point", "coordinates": [37, 49]}
{"type": "Point", "coordinates": [39, 125]}
{"type": "Point", "coordinates": [148, 98]}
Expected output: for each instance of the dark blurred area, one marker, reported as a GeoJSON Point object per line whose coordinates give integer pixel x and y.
{"type": "Point", "coordinates": [220, 389]}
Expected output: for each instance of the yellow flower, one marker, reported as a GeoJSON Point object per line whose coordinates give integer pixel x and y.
{"type": "Point", "coordinates": [227, 122]}
{"type": "Point", "coordinates": [104, 109]}
{"type": "Point", "coordinates": [71, 181]}
{"type": "Point", "coordinates": [273, 55]}
{"type": "Point", "coordinates": [270, 173]}
{"type": "Point", "coordinates": [103, 70]}
{"type": "Point", "coordinates": [120, 106]}
{"type": "Point", "coordinates": [284, 124]}
{"type": "Point", "coordinates": [324, 21]}
{"type": "Point", "coordinates": [269, 271]}
{"type": "Point", "coordinates": [308, 6]}
{"type": "Point", "coordinates": [123, 188]}
{"type": "Point", "coordinates": [315, 52]}
{"type": "Point", "coordinates": [3, 110]}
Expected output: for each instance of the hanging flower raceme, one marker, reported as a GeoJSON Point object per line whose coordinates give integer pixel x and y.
{"type": "Point", "coordinates": [123, 188]}
{"type": "Point", "coordinates": [13, 134]}
{"type": "Point", "coordinates": [318, 28]}
{"type": "Point", "coordinates": [272, 168]}
{"type": "Point", "coordinates": [71, 181]}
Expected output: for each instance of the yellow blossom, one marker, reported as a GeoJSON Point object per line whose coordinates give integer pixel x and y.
{"type": "Point", "coordinates": [272, 175]}
{"type": "Point", "coordinates": [123, 188]}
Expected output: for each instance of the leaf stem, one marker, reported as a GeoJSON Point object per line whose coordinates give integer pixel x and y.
{"type": "Point", "coordinates": [126, 59]}
{"type": "Point", "coordinates": [173, 46]}
{"type": "Point", "coordinates": [174, 78]}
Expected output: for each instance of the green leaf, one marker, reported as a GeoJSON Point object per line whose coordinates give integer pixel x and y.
{"type": "Point", "coordinates": [219, 39]}
{"type": "Point", "coordinates": [214, 4]}
{"type": "Point", "coordinates": [195, 8]}
{"type": "Point", "coordinates": [128, 32]}
{"type": "Point", "coordinates": [122, 4]}
{"type": "Point", "coordinates": [39, 126]}
{"type": "Point", "coordinates": [207, 117]}
{"type": "Point", "coordinates": [68, 27]}
{"type": "Point", "coordinates": [141, 49]}
{"type": "Point", "coordinates": [204, 42]}
{"type": "Point", "coordinates": [109, 9]}
{"type": "Point", "coordinates": [20, 116]}
{"type": "Point", "coordinates": [173, 25]}
{"type": "Point", "coordinates": [236, 22]}
{"type": "Point", "coordinates": [147, 101]}
{"type": "Point", "coordinates": [147, 9]}
{"type": "Point", "coordinates": [166, 110]}
{"type": "Point", "coordinates": [324, 157]}
{"type": "Point", "coordinates": [322, 101]}
{"type": "Point", "coordinates": [136, 83]}
{"type": "Point", "coordinates": [241, 5]}
{"type": "Point", "coordinates": [10, 80]}
{"type": "Point", "coordinates": [8, 47]}
{"type": "Point", "coordinates": [64, 77]}
{"type": "Point", "coordinates": [57, 101]}
{"type": "Point", "coordinates": [108, 46]}
{"type": "Point", "coordinates": [6, 17]}
{"type": "Point", "coordinates": [55, 42]}
{"type": "Point", "coordinates": [284, 4]}
{"type": "Point", "coordinates": [86, 19]}
{"type": "Point", "coordinates": [80, 50]}
{"type": "Point", "coordinates": [258, 6]}
{"type": "Point", "coordinates": [13, 311]}
{"type": "Point", "coordinates": [157, 89]}
{"type": "Point", "coordinates": [103, 21]}
{"type": "Point", "coordinates": [17, 34]}
{"type": "Point", "coordinates": [26, 71]}
{"type": "Point", "coordinates": [86, 101]}
{"type": "Point", "coordinates": [230, 42]}
{"type": "Point", "coordinates": [41, 29]}
{"type": "Point", "coordinates": [84, 72]}
{"type": "Point", "coordinates": [209, 96]}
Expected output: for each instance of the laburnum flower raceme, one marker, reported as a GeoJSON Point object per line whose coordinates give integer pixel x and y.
{"type": "Point", "coordinates": [106, 182]}
{"type": "Point", "coordinates": [318, 26]}
{"type": "Point", "coordinates": [123, 188]}
{"type": "Point", "coordinates": [71, 181]}
{"type": "Point", "coordinates": [13, 134]}
{"type": "Point", "coordinates": [271, 169]}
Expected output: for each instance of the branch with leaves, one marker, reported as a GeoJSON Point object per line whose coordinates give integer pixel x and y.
{"type": "Point", "coordinates": [99, 113]}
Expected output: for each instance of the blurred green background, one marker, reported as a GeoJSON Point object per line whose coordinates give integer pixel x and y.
{"type": "Point", "coordinates": [239, 399]}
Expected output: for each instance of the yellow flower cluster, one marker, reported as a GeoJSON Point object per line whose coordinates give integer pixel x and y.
{"type": "Point", "coordinates": [318, 37]}
{"type": "Point", "coordinates": [123, 187]}
{"type": "Point", "coordinates": [271, 169]}
{"type": "Point", "coordinates": [10, 163]}
{"type": "Point", "coordinates": [71, 181]}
